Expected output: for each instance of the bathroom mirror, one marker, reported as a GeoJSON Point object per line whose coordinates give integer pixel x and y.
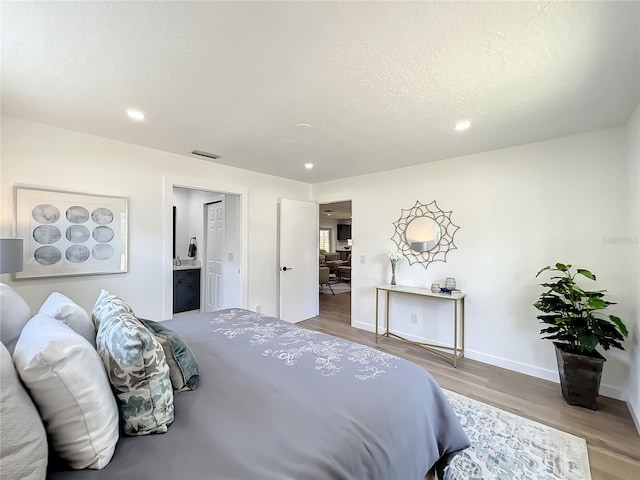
{"type": "Point", "coordinates": [424, 233]}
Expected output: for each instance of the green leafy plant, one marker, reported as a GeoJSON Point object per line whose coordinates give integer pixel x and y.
{"type": "Point", "coordinates": [575, 315]}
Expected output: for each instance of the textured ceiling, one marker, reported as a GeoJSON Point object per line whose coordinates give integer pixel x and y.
{"type": "Point", "coordinates": [381, 84]}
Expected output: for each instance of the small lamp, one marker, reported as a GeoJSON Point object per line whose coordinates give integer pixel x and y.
{"type": "Point", "coordinates": [10, 255]}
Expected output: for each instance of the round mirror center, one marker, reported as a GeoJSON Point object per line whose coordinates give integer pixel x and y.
{"type": "Point", "coordinates": [422, 234]}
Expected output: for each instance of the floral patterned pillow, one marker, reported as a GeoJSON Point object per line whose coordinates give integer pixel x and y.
{"type": "Point", "coordinates": [107, 305]}
{"type": "Point", "coordinates": [138, 372]}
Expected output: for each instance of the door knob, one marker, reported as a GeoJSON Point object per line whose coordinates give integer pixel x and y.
{"type": "Point", "coordinates": [284, 269]}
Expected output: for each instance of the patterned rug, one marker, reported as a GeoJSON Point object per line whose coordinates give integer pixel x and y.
{"type": "Point", "coordinates": [505, 446]}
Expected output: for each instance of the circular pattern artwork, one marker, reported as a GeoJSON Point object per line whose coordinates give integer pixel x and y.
{"type": "Point", "coordinates": [47, 255]}
{"type": "Point", "coordinates": [46, 234]}
{"type": "Point", "coordinates": [102, 234]}
{"type": "Point", "coordinates": [102, 216]}
{"type": "Point", "coordinates": [102, 251]}
{"type": "Point", "coordinates": [87, 233]}
{"type": "Point", "coordinates": [77, 214]}
{"type": "Point", "coordinates": [77, 234]}
{"type": "Point", "coordinates": [45, 213]}
{"type": "Point", "coordinates": [77, 253]}
{"type": "Point", "coordinates": [70, 233]}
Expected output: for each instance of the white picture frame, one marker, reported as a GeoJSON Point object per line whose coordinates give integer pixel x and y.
{"type": "Point", "coordinates": [67, 233]}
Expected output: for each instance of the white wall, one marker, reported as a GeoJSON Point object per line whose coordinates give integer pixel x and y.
{"type": "Point", "coordinates": [633, 144]}
{"type": "Point", "coordinates": [519, 209]}
{"type": "Point", "coordinates": [39, 155]}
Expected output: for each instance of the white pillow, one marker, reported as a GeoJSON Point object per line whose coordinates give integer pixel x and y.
{"type": "Point", "coordinates": [62, 308]}
{"type": "Point", "coordinates": [68, 383]}
{"type": "Point", "coordinates": [23, 440]}
{"type": "Point", "coordinates": [14, 314]}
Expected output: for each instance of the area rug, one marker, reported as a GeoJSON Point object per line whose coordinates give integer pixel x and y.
{"type": "Point", "coordinates": [338, 288]}
{"type": "Point", "coordinates": [507, 446]}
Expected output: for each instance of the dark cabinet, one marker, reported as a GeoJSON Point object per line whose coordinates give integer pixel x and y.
{"type": "Point", "coordinates": [186, 290]}
{"type": "Point", "coordinates": [344, 232]}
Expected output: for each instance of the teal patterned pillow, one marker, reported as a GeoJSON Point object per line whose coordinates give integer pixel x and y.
{"type": "Point", "coordinates": [107, 305]}
{"type": "Point", "coordinates": [138, 372]}
{"type": "Point", "coordinates": [183, 367]}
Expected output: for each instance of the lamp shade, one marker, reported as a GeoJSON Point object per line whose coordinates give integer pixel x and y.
{"type": "Point", "coordinates": [10, 255]}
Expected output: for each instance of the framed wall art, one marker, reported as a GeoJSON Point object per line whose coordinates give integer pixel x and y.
{"type": "Point", "coordinates": [68, 233]}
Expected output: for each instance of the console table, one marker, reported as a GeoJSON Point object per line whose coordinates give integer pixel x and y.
{"type": "Point", "coordinates": [457, 298]}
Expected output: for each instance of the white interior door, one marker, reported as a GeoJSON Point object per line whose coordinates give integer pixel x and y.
{"type": "Point", "coordinates": [214, 282]}
{"type": "Point", "coordinates": [298, 242]}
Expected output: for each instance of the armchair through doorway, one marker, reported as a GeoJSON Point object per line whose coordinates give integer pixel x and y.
{"type": "Point", "coordinates": [323, 275]}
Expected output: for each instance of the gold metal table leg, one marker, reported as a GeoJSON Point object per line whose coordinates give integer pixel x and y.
{"type": "Point", "coordinates": [377, 301]}
{"type": "Point", "coordinates": [387, 329]}
{"type": "Point", "coordinates": [455, 332]}
{"type": "Point", "coordinates": [452, 353]}
{"type": "Point", "coordinates": [462, 321]}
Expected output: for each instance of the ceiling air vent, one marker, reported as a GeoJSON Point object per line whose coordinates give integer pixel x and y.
{"type": "Point", "coordinates": [205, 154]}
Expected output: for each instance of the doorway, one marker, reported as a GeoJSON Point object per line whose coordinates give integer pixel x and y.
{"type": "Point", "coordinates": [206, 250]}
{"type": "Point", "coordinates": [335, 228]}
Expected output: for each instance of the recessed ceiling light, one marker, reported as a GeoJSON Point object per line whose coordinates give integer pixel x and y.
{"type": "Point", "coordinates": [135, 115]}
{"type": "Point", "coordinates": [462, 125]}
{"type": "Point", "coordinates": [308, 166]}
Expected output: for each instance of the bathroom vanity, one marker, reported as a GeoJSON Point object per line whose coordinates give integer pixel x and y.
{"type": "Point", "coordinates": [186, 287]}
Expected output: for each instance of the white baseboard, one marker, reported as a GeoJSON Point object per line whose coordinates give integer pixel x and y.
{"type": "Point", "coordinates": [538, 372]}
{"type": "Point", "coordinates": [363, 326]}
{"type": "Point", "coordinates": [634, 415]}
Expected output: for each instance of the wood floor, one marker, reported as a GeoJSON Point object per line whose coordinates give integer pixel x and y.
{"type": "Point", "coordinates": [612, 439]}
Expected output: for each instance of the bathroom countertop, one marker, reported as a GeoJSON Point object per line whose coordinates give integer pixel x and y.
{"type": "Point", "coordinates": [188, 265]}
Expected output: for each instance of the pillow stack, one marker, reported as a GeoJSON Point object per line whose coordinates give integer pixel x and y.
{"type": "Point", "coordinates": [54, 357]}
{"type": "Point", "coordinates": [71, 366]}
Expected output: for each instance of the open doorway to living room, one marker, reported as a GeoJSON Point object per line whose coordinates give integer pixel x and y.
{"type": "Point", "coordinates": [335, 261]}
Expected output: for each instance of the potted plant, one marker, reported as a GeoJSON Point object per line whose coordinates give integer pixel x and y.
{"type": "Point", "coordinates": [577, 326]}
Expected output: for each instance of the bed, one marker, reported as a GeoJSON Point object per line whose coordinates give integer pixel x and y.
{"type": "Point", "coordinates": [276, 401]}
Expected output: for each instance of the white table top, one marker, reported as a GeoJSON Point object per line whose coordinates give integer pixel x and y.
{"type": "Point", "coordinates": [426, 292]}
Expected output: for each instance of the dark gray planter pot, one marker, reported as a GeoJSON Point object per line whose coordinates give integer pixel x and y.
{"type": "Point", "coordinates": [579, 376]}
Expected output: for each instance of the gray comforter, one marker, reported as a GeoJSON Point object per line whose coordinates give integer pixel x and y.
{"type": "Point", "coordinates": [276, 401]}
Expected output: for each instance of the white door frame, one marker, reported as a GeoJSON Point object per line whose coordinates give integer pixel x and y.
{"type": "Point", "coordinates": [209, 185]}
{"type": "Point", "coordinates": [354, 281]}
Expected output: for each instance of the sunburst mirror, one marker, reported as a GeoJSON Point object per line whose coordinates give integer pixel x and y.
{"type": "Point", "coordinates": [424, 233]}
